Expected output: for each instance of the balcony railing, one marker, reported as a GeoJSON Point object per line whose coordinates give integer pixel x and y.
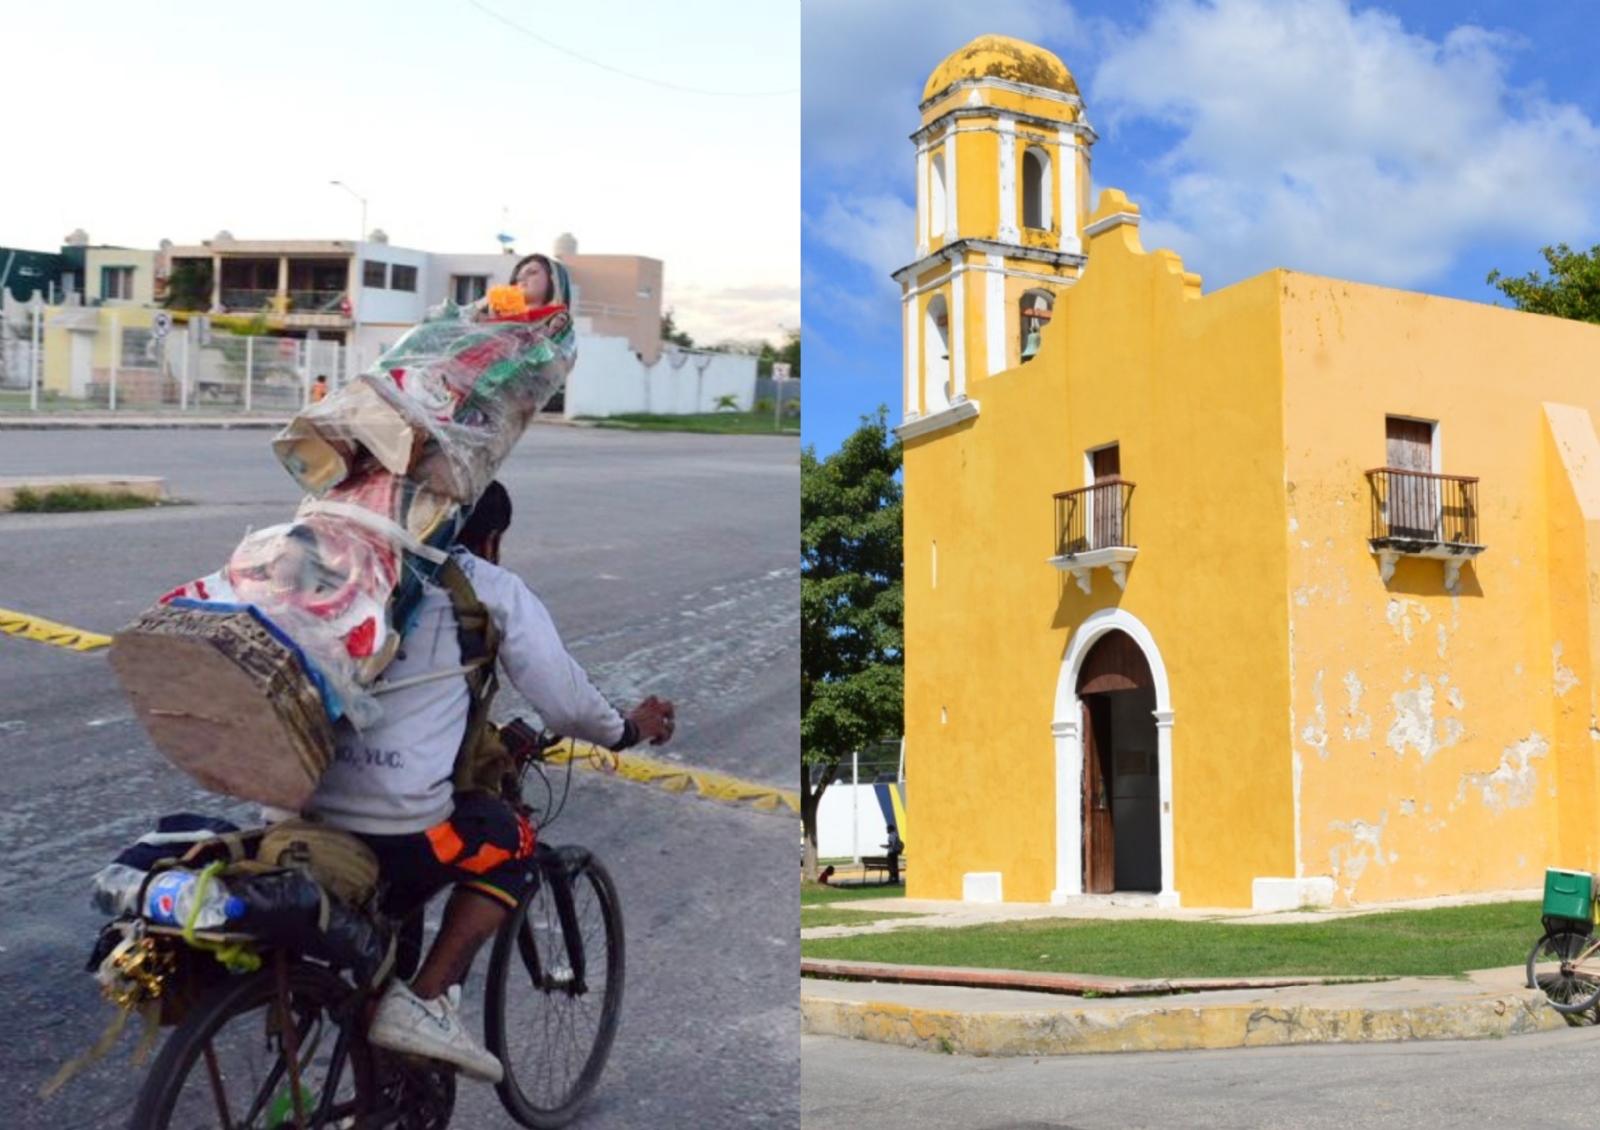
{"type": "Point", "coordinates": [1420, 514]}
{"type": "Point", "coordinates": [1418, 506]}
{"type": "Point", "coordinates": [1094, 517]}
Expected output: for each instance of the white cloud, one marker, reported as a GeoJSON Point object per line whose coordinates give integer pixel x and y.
{"type": "Point", "coordinates": [1313, 137]}
{"type": "Point", "coordinates": [877, 232]}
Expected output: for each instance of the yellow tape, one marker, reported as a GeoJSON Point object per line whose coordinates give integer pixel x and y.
{"type": "Point", "coordinates": [47, 631]}
{"type": "Point", "coordinates": [676, 778]}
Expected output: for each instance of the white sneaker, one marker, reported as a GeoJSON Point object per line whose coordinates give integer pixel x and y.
{"type": "Point", "coordinates": [432, 1029]}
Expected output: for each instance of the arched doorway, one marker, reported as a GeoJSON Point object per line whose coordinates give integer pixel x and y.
{"type": "Point", "coordinates": [1113, 743]}
{"type": "Point", "coordinates": [1121, 779]}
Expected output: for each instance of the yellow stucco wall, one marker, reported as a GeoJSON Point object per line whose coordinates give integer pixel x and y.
{"type": "Point", "coordinates": [1191, 390]}
{"type": "Point", "coordinates": [1442, 741]}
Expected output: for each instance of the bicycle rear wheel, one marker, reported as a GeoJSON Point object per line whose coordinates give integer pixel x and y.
{"type": "Point", "coordinates": [1563, 968]}
{"type": "Point", "coordinates": [228, 1065]}
{"type": "Point", "coordinates": [550, 1013]}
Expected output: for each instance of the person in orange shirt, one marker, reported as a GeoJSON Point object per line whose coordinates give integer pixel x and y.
{"type": "Point", "coordinates": [319, 389]}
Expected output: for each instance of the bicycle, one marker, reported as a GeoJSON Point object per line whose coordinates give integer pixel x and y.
{"type": "Point", "coordinates": [285, 1045]}
{"type": "Point", "coordinates": [1564, 963]}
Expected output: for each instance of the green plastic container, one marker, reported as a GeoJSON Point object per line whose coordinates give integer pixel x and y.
{"type": "Point", "coordinates": [1569, 894]}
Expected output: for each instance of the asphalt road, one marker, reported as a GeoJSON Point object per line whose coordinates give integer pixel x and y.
{"type": "Point", "coordinates": [1527, 1082]}
{"type": "Point", "coordinates": [670, 562]}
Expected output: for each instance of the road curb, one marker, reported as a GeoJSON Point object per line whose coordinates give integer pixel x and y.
{"type": "Point", "coordinates": [151, 487]}
{"type": "Point", "coordinates": [1169, 1024]}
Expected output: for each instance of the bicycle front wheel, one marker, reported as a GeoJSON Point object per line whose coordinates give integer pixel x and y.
{"type": "Point", "coordinates": [551, 1008]}
{"type": "Point", "coordinates": [234, 1061]}
{"type": "Point", "coordinates": [1565, 966]}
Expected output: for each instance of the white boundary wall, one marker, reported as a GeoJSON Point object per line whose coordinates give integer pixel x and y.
{"type": "Point", "coordinates": [850, 823]}
{"type": "Point", "coordinates": [609, 380]}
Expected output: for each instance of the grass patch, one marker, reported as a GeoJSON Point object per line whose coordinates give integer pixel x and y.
{"type": "Point", "coordinates": [711, 423]}
{"type": "Point", "coordinates": [1446, 942]}
{"type": "Point", "coordinates": [842, 916]}
{"type": "Point", "coordinates": [67, 500]}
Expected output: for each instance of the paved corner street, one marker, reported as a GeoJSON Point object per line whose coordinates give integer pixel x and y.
{"type": "Point", "coordinates": [670, 562]}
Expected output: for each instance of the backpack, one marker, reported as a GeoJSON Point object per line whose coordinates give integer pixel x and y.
{"type": "Point", "coordinates": [483, 764]}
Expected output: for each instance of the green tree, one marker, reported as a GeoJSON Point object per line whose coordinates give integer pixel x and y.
{"type": "Point", "coordinates": [789, 351]}
{"type": "Point", "coordinates": [851, 609]}
{"type": "Point", "coordinates": [671, 333]}
{"type": "Point", "coordinates": [1571, 291]}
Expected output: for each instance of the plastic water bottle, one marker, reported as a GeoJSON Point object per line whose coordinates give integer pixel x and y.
{"type": "Point", "coordinates": [170, 900]}
{"type": "Point", "coordinates": [116, 889]}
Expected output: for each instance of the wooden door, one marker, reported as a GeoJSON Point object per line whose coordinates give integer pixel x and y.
{"type": "Point", "coordinates": [1099, 837]}
{"type": "Point", "coordinates": [1413, 500]}
{"type": "Point", "coordinates": [1107, 497]}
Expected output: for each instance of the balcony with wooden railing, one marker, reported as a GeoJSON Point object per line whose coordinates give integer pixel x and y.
{"type": "Point", "coordinates": [1094, 528]}
{"type": "Point", "coordinates": [1422, 514]}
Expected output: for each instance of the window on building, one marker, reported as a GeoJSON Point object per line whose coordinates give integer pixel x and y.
{"type": "Point", "coordinates": [1105, 501]}
{"type": "Point", "coordinates": [1412, 502]}
{"type": "Point", "coordinates": [116, 283]}
{"type": "Point", "coordinates": [936, 357]}
{"type": "Point", "coordinates": [374, 274]}
{"type": "Point", "coordinates": [1036, 189]}
{"type": "Point", "coordinates": [403, 277]}
{"type": "Point", "coordinates": [936, 197]}
{"type": "Point", "coordinates": [1033, 312]}
{"type": "Point", "coordinates": [468, 288]}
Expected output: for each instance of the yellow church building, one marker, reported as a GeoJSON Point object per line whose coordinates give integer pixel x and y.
{"type": "Point", "coordinates": [1283, 594]}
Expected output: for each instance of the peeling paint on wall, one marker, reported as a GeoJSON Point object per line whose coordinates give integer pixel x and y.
{"type": "Point", "coordinates": [1565, 677]}
{"type": "Point", "coordinates": [1408, 807]}
{"type": "Point", "coordinates": [1365, 846]}
{"type": "Point", "coordinates": [1399, 615]}
{"type": "Point", "coordinates": [1414, 724]}
{"type": "Point", "coordinates": [1362, 729]}
{"type": "Point", "coordinates": [1511, 784]}
{"type": "Point", "coordinates": [1444, 641]}
{"type": "Point", "coordinates": [1315, 733]}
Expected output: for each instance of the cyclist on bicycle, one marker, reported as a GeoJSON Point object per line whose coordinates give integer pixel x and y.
{"type": "Point", "coordinates": [391, 784]}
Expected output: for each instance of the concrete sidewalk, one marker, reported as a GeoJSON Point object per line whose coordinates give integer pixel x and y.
{"type": "Point", "coordinates": [986, 1012]}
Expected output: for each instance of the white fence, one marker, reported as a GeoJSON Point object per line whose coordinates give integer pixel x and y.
{"type": "Point", "coordinates": [610, 380]}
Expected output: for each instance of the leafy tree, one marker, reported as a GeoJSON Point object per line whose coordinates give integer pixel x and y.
{"type": "Point", "coordinates": [789, 351]}
{"type": "Point", "coordinates": [671, 333]}
{"type": "Point", "coordinates": [1571, 291]}
{"type": "Point", "coordinates": [189, 286]}
{"type": "Point", "coordinates": [851, 609]}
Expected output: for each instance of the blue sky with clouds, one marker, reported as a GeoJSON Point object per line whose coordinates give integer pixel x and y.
{"type": "Point", "coordinates": [1415, 144]}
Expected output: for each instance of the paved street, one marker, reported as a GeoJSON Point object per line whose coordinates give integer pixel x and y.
{"type": "Point", "coordinates": [1528, 1082]}
{"type": "Point", "coordinates": [669, 562]}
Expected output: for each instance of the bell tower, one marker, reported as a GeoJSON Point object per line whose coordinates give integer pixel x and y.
{"type": "Point", "coordinates": [1002, 196]}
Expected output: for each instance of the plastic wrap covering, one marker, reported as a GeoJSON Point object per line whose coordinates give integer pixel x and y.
{"type": "Point", "coordinates": [287, 908]}
{"type": "Point", "coordinates": [442, 407]}
{"type": "Point", "coordinates": [238, 676]}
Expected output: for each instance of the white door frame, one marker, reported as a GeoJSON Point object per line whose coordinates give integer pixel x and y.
{"type": "Point", "coordinates": [1067, 731]}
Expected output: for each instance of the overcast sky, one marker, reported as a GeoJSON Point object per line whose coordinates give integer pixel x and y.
{"type": "Point", "coordinates": [666, 130]}
{"type": "Point", "coordinates": [1414, 144]}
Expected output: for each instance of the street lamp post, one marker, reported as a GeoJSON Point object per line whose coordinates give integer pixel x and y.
{"type": "Point", "coordinates": [359, 197]}
{"type": "Point", "coordinates": [350, 367]}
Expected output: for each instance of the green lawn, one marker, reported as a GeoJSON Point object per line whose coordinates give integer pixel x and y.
{"type": "Point", "coordinates": [66, 500]}
{"type": "Point", "coordinates": [830, 906]}
{"type": "Point", "coordinates": [714, 423]}
{"type": "Point", "coordinates": [812, 894]}
{"type": "Point", "coordinates": [1445, 942]}
{"type": "Point", "coordinates": [831, 916]}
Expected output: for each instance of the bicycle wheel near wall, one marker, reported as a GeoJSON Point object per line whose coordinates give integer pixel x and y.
{"type": "Point", "coordinates": [228, 1063]}
{"type": "Point", "coordinates": [1564, 966]}
{"type": "Point", "coordinates": [551, 1009]}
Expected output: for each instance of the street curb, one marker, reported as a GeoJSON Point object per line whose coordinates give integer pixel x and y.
{"type": "Point", "coordinates": [142, 423]}
{"type": "Point", "coordinates": [1070, 984]}
{"type": "Point", "coordinates": [1171, 1026]}
{"type": "Point", "coordinates": [150, 487]}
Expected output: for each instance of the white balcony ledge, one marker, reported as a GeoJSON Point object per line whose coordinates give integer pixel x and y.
{"type": "Point", "coordinates": [1454, 554]}
{"type": "Point", "coordinates": [1080, 565]}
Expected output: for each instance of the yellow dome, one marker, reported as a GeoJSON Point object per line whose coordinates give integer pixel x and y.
{"type": "Point", "coordinates": [996, 56]}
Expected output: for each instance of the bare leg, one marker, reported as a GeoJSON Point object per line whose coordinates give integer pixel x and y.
{"type": "Point", "coordinates": [470, 919]}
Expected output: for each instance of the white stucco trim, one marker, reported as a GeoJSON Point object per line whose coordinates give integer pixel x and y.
{"type": "Point", "coordinates": [1065, 729]}
{"type": "Point", "coordinates": [913, 403]}
{"type": "Point", "coordinates": [1008, 233]}
{"type": "Point", "coordinates": [1106, 223]}
{"type": "Point", "coordinates": [958, 336]}
{"type": "Point", "coordinates": [994, 82]}
{"type": "Point", "coordinates": [938, 421]}
{"type": "Point", "coordinates": [994, 313]}
{"type": "Point", "coordinates": [952, 214]}
{"type": "Point", "coordinates": [925, 198]}
{"type": "Point", "coordinates": [1067, 206]}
